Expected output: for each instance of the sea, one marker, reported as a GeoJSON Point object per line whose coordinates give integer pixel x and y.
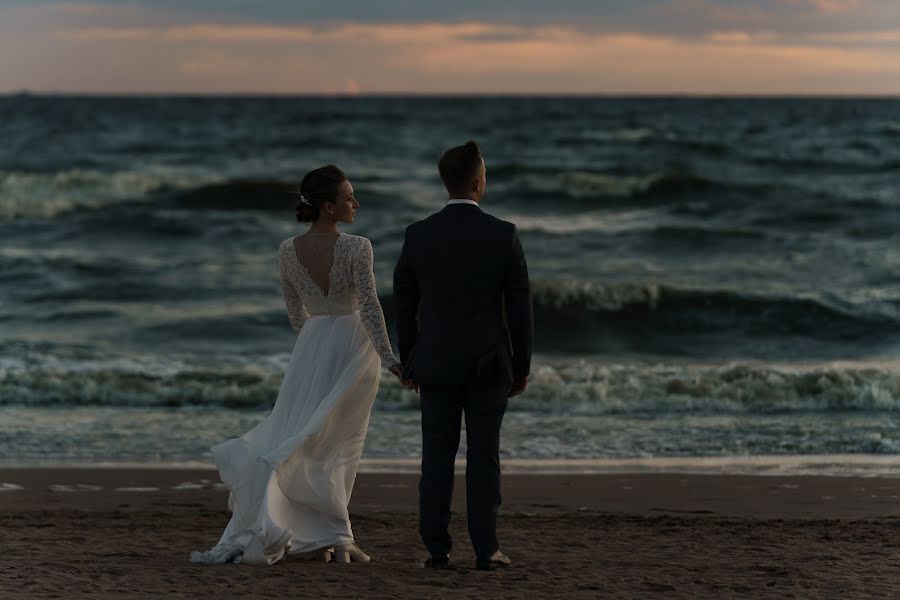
{"type": "Point", "coordinates": [713, 278]}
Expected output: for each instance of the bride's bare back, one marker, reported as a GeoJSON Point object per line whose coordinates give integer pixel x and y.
{"type": "Point", "coordinates": [315, 253]}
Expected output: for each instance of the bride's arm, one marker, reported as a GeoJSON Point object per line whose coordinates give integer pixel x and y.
{"type": "Point", "coordinates": [295, 309]}
{"type": "Point", "coordinates": [369, 308]}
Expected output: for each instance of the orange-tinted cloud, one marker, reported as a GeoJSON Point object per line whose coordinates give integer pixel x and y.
{"type": "Point", "coordinates": [433, 57]}
{"type": "Point", "coordinates": [836, 6]}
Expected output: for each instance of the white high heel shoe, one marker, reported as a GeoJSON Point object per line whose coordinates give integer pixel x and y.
{"type": "Point", "coordinates": [348, 553]}
{"type": "Point", "coordinates": [323, 554]}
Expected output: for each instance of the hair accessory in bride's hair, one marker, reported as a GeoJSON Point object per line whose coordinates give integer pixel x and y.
{"type": "Point", "coordinates": [304, 200]}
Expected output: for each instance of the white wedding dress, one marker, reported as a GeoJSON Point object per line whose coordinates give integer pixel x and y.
{"type": "Point", "coordinates": [291, 476]}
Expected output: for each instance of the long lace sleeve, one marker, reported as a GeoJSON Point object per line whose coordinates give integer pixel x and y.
{"type": "Point", "coordinates": [295, 309]}
{"type": "Point", "coordinates": [369, 308]}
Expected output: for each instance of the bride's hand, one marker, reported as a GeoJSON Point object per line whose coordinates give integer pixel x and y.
{"type": "Point", "coordinates": [397, 370]}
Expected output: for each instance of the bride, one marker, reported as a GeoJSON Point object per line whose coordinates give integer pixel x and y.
{"type": "Point", "coordinates": [291, 476]}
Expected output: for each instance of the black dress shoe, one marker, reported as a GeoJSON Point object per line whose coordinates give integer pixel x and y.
{"type": "Point", "coordinates": [437, 562]}
{"type": "Point", "coordinates": [498, 560]}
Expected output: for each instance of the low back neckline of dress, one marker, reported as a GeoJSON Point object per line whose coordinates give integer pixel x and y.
{"type": "Point", "coordinates": [324, 292]}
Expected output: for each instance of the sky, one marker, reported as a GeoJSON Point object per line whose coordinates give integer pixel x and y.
{"type": "Point", "coordinates": [843, 47]}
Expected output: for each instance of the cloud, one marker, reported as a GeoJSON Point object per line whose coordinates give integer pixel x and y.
{"type": "Point", "coordinates": [676, 18]}
{"type": "Point", "coordinates": [844, 40]}
{"type": "Point", "coordinates": [470, 57]}
{"type": "Point", "coordinates": [836, 6]}
{"type": "Point", "coordinates": [648, 47]}
{"type": "Point", "coordinates": [353, 33]}
{"type": "Point", "coordinates": [427, 34]}
{"type": "Point", "coordinates": [207, 33]}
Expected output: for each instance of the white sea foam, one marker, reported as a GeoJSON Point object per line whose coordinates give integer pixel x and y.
{"type": "Point", "coordinates": [46, 195]}
{"type": "Point", "coordinates": [558, 385]}
{"type": "Point", "coordinates": [826, 465]}
{"type": "Point", "coordinates": [832, 465]}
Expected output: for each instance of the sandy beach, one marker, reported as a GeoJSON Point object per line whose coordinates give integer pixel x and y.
{"type": "Point", "coordinates": [117, 532]}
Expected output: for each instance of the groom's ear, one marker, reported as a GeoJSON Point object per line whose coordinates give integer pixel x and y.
{"type": "Point", "coordinates": [480, 174]}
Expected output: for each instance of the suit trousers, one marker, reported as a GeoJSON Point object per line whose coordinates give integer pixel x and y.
{"type": "Point", "coordinates": [442, 409]}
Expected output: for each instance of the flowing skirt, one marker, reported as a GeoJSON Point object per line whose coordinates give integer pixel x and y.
{"type": "Point", "coordinates": [291, 476]}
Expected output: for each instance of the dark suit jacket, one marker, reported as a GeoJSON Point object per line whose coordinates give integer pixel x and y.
{"type": "Point", "coordinates": [459, 271]}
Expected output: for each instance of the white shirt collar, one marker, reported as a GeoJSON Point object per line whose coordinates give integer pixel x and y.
{"type": "Point", "coordinates": [461, 201]}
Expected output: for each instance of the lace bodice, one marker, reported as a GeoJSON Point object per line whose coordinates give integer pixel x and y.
{"type": "Point", "coordinates": [351, 287]}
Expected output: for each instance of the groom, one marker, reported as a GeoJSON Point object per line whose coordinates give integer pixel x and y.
{"type": "Point", "coordinates": [464, 324]}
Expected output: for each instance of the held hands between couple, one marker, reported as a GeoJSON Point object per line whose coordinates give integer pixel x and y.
{"type": "Point", "coordinates": [518, 386]}
{"type": "Point", "coordinates": [397, 370]}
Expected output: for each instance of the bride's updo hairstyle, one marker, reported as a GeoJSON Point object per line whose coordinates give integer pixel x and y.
{"type": "Point", "coordinates": [318, 186]}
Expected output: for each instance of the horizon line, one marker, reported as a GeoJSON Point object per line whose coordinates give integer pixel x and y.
{"type": "Point", "coordinates": [407, 94]}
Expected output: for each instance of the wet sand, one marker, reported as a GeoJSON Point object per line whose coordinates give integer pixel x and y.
{"type": "Point", "coordinates": [112, 533]}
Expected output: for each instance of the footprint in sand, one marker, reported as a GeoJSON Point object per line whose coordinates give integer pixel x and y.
{"type": "Point", "coordinates": [79, 487]}
{"type": "Point", "coordinates": [189, 485]}
{"type": "Point", "coordinates": [62, 488]}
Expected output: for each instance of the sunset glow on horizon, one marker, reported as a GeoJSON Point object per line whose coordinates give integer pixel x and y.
{"type": "Point", "coordinates": [675, 46]}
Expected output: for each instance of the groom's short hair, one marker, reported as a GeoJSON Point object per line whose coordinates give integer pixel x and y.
{"type": "Point", "coordinates": [458, 167]}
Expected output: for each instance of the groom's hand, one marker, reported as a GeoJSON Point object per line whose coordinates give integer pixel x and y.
{"type": "Point", "coordinates": [518, 386]}
{"type": "Point", "coordinates": [397, 370]}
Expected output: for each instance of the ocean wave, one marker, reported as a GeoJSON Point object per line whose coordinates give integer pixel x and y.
{"type": "Point", "coordinates": [49, 375]}
{"type": "Point", "coordinates": [241, 195]}
{"type": "Point", "coordinates": [570, 315]}
{"type": "Point", "coordinates": [575, 316]}
{"type": "Point", "coordinates": [585, 316]}
{"type": "Point", "coordinates": [852, 165]}
{"type": "Point", "coordinates": [643, 298]}
{"type": "Point", "coordinates": [244, 388]}
{"type": "Point", "coordinates": [624, 134]}
{"type": "Point", "coordinates": [645, 227]}
{"type": "Point", "coordinates": [259, 195]}
{"type": "Point", "coordinates": [556, 386]}
{"type": "Point", "coordinates": [584, 387]}
{"type": "Point", "coordinates": [579, 316]}
{"type": "Point", "coordinates": [585, 297]}
{"type": "Point", "coordinates": [50, 195]}
{"type": "Point", "coordinates": [35, 195]}
{"type": "Point", "coordinates": [704, 237]}
{"type": "Point", "coordinates": [588, 185]}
